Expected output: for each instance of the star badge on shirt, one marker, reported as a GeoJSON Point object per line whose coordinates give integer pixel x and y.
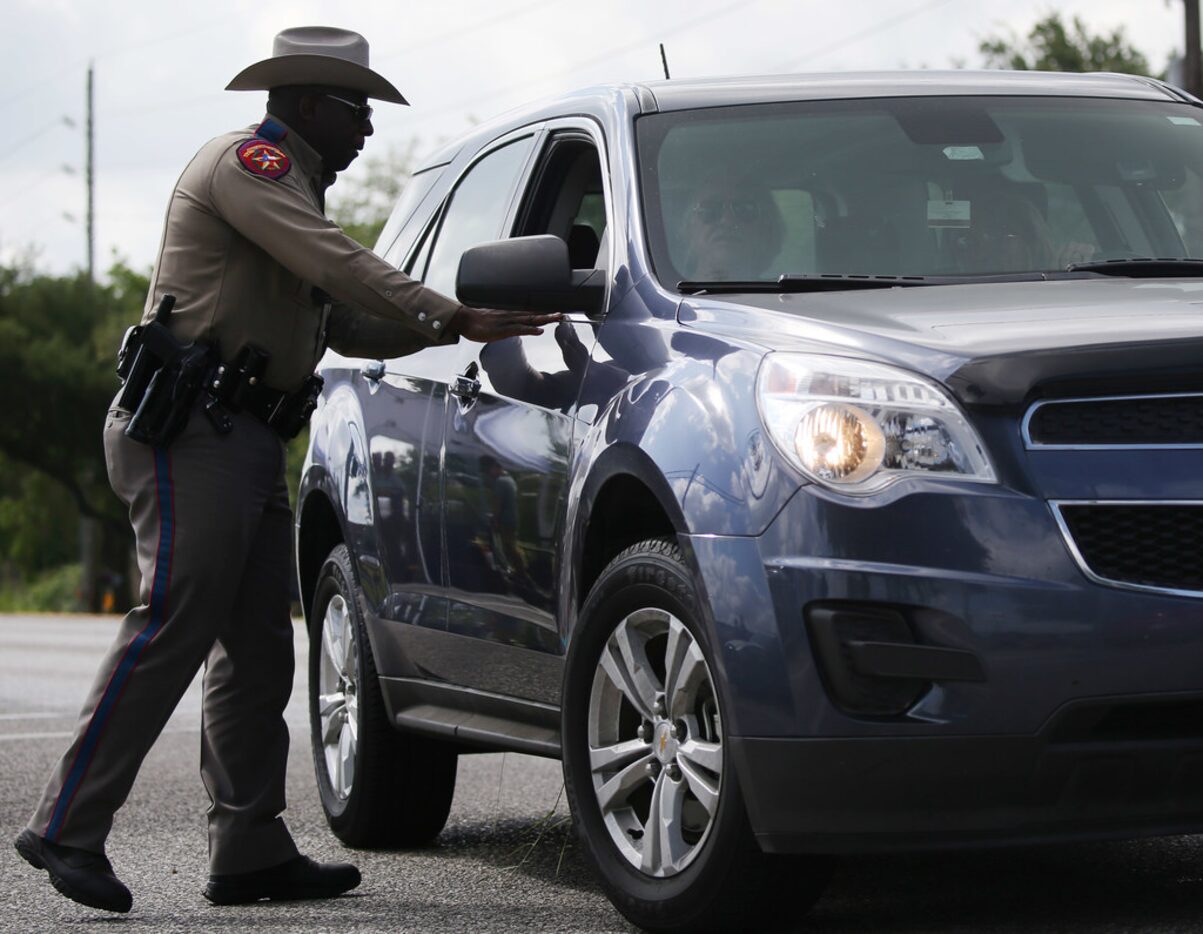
{"type": "Point", "coordinates": [262, 158]}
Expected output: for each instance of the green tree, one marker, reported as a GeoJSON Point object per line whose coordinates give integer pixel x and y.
{"type": "Point", "coordinates": [1052, 46]}
{"type": "Point", "coordinates": [361, 204]}
{"type": "Point", "coordinates": [37, 523]}
{"type": "Point", "coordinates": [58, 336]}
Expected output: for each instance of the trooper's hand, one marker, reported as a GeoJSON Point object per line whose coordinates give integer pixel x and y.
{"type": "Point", "coordinates": [486, 325]}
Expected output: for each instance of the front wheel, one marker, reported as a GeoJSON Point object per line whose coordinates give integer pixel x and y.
{"type": "Point", "coordinates": [378, 787]}
{"type": "Point", "coordinates": [647, 765]}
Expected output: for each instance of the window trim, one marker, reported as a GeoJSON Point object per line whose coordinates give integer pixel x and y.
{"type": "Point", "coordinates": [434, 225]}
{"type": "Point", "coordinates": [554, 131]}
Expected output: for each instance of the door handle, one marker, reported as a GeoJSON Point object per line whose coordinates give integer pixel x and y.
{"type": "Point", "coordinates": [373, 370]}
{"type": "Point", "coordinates": [465, 386]}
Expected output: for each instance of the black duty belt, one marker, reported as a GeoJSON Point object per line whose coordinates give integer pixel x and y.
{"type": "Point", "coordinates": [287, 413]}
{"type": "Point", "coordinates": [237, 385]}
{"type": "Point", "coordinates": [163, 378]}
{"type": "Point", "coordinates": [263, 402]}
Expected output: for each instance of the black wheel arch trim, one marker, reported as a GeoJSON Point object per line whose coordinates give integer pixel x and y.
{"type": "Point", "coordinates": [618, 460]}
{"type": "Point", "coordinates": [630, 461]}
{"type": "Point", "coordinates": [317, 483]}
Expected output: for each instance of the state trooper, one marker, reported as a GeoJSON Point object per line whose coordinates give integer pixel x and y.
{"type": "Point", "coordinates": [262, 282]}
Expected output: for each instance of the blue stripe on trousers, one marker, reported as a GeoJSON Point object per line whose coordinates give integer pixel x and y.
{"type": "Point", "coordinates": [133, 652]}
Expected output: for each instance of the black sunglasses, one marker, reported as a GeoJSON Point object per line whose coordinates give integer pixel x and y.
{"type": "Point", "coordinates": [712, 210]}
{"type": "Point", "coordinates": [362, 113]}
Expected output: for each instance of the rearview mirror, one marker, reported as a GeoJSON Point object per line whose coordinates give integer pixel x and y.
{"type": "Point", "coordinates": [528, 274]}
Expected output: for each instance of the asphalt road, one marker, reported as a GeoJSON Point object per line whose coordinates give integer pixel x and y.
{"type": "Point", "coordinates": [507, 860]}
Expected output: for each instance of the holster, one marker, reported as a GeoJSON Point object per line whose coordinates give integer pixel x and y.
{"type": "Point", "coordinates": [161, 378]}
{"type": "Point", "coordinates": [172, 391]}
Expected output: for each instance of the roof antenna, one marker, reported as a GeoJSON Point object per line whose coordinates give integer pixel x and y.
{"type": "Point", "coordinates": [664, 59]}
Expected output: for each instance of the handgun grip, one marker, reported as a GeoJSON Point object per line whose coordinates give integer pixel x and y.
{"type": "Point", "coordinates": [163, 312]}
{"type": "Point", "coordinates": [161, 343]}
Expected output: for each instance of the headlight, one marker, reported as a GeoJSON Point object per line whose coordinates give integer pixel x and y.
{"type": "Point", "coordinates": [857, 426]}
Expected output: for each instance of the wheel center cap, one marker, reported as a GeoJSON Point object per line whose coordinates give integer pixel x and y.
{"type": "Point", "coordinates": [666, 745]}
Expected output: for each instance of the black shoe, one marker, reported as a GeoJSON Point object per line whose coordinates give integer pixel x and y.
{"type": "Point", "coordinates": [81, 875]}
{"type": "Point", "coordinates": [296, 879]}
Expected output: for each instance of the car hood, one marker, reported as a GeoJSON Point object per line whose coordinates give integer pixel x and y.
{"type": "Point", "coordinates": [991, 343]}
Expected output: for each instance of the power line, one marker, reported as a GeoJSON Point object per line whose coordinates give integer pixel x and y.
{"type": "Point", "coordinates": [26, 189]}
{"type": "Point", "coordinates": [466, 31]}
{"type": "Point", "coordinates": [864, 33]}
{"type": "Point", "coordinates": [64, 70]}
{"type": "Point", "coordinates": [167, 105]}
{"type": "Point", "coordinates": [62, 121]}
{"type": "Point", "coordinates": [146, 43]}
{"type": "Point", "coordinates": [51, 79]}
{"type": "Point", "coordinates": [433, 40]}
{"type": "Point", "coordinates": [425, 43]}
{"type": "Point", "coordinates": [466, 103]}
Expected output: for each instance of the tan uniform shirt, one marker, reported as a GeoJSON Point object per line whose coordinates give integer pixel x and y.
{"type": "Point", "coordinates": [242, 252]}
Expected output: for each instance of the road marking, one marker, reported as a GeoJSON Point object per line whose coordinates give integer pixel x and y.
{"type": "Point", "coordinates": [293, 725]}
{"type": "Point", "coordinates": [9, 737]}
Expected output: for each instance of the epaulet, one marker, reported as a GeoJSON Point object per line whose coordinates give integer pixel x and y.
{"type": "Point", "coordinates": [271, 131]}
{"type": "Point", "coordinates": [260, 154]}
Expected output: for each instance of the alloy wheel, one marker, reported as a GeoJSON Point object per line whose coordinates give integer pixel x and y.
{"type": "Point", "coordinates": [337, 701]}
{"type": "Point", "coordinates": [655, 742]}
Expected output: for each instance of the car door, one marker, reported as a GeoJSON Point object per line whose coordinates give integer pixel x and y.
{"type": "Point", "coordinates": [508, 444]}
{"type": "Point", "coordinates": [404, 402]}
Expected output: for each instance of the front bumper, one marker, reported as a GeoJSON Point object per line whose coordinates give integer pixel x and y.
{"type": "Point", "coordinates": [889, 793]}
{"type": "Point", "coordinates": [1088, 722]}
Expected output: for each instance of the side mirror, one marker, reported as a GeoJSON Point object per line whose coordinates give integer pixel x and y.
{"type": "Point", "coordinates": [528, 274]}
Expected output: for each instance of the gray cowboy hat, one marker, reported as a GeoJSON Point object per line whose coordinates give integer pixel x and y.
{"type": "Point", "coordinates": [321, 55]}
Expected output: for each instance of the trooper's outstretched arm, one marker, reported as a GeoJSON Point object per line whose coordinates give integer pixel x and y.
{"type": "Point", "coordinates": [486, 325]}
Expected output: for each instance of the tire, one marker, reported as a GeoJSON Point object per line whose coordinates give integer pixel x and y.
{"type": "Point", "coordinates": [378, 787]}
{"type": "Point", "coordinates": [657, 744]}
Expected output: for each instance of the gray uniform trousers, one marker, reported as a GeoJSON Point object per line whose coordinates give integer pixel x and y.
{"type": "Point", "coordinates": [212, 522]}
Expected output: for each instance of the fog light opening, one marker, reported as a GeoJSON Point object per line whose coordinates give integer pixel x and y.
{"type": "Point", "coordinates": [834, 631]}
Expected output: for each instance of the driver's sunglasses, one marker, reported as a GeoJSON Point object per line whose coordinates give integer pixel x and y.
{"type": "Point", "coordinates": [712, 210]}
{"type": "Point", "coordinates": [362, 113]}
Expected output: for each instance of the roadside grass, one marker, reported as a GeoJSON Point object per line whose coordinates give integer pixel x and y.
{"type": "Point", "coordinates": [55, 591]}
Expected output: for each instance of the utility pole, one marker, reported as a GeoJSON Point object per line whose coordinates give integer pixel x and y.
{"type": "Point", "coordinates": [1192, 75]}
{"type": "Point", "coordinates": [90, 219]}
{"type": "Point", "coordinates": [89, 529]}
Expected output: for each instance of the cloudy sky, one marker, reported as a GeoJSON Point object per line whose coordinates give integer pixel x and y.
{"type": "Point", "coordinates": [160, 68]}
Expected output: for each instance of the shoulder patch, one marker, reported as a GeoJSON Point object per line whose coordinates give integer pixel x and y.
{"type": "Point", "coordinates": [263, 158]}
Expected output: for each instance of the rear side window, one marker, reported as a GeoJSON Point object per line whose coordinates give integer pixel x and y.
{"type": "Point", "coordinates": [415, 191]}
{"type": "Point", "coordinates": [474, 213]}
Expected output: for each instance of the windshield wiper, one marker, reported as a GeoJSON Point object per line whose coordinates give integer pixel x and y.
{"type": "Point", "coordinates": [1143, 267]}
{"type": "Point", "coordinates": [803, 283]}
{"type": "Point", "coordinates": [832, 282]}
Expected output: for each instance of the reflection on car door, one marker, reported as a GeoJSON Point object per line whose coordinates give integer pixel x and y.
{"type": "Point", "coordinates": [508, 445]}
{"type": "Point", "coordinates": [405, 411]}
{"type": "Point", "coordinates": [403, 416]}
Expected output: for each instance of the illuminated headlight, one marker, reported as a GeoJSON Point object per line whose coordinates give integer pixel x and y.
{"type": "Point", "coordinates": [857, 426]}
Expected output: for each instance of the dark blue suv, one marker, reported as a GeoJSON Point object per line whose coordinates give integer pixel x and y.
{"type": "Point", "coordinates": [855, 505]}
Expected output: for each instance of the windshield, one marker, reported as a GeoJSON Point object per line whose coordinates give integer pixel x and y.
{"type": "Point", "coordinates": [930, 186]}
